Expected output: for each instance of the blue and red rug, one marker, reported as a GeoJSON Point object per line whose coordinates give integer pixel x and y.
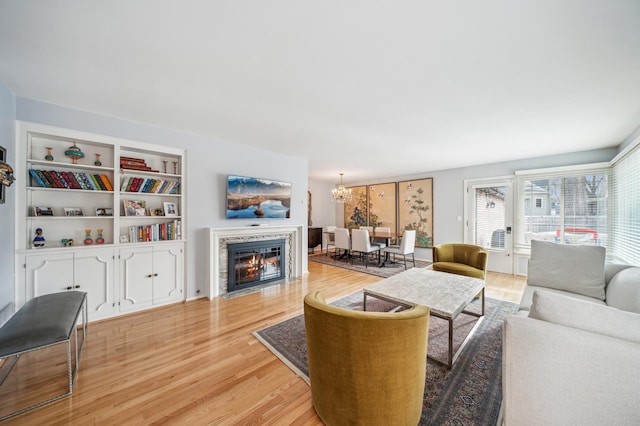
{"type": "Point", "coordinates": [468, 394]}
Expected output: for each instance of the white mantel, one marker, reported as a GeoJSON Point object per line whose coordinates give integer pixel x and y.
{"type": "Point", "coordinates": [220, 237]}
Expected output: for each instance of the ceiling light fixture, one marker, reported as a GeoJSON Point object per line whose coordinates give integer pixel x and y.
{"type": "Point", "coordinates": [341, 194]}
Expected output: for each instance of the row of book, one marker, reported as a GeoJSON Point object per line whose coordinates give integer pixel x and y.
{"type": "Point", "coordinates": [132, 163]}
{"type": "Point", "coordinates": [150, 185]}
{"type": "Point", "coordinates": [157, 232]}
{"type": "Point", "coordinates": [71, 180]}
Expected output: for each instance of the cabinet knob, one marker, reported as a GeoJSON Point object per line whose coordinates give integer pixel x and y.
{"type": "Point", "coordinates": [155, 275]}
{"type": "Point", "coordinates": [69, 288]}
{"type": "Point", "coordinates": [149, 276]}
{"type": "Point", "coordinates": [77, 285]}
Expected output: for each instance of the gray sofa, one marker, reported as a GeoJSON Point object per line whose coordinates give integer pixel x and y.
{"type": "Point", "coordinates": [572, 354]}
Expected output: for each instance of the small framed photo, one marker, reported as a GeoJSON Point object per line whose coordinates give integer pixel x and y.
{"type": "Point", "coordinates": [124, 238]}
{"type": "Point", "coordinates": [157, 212]}
{"type": "Point", "coordinates": [135, 208]}
{"type": "Point", "coordinates": [42, 211]}
{"type": "Point", "coordinates": [170, 209]}
{"type": "Point", "coordinates": [104, 211]}
{"type": "Point", "coordinates": [73, 211]}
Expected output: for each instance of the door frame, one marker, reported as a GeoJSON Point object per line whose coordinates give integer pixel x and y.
{"type": "Point", "coordinates": [500, 260]}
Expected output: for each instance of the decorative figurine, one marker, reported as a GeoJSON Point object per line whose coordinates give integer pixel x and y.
{"type": "Point", "coordinates": [175, 167]}
{"type": "Point", "coordinates": [75, 153]}
{"type": "Point", "coordinates": [99, 239]}
{"type": "Point", "coordinates": [165, 165]}
{"type": "Point", "coordinates": [48, 157]}
{"type": "Point", "coordinates": [97, 162]}
{"type": "Point", "coordinates": [38, 241]}
{"type": "Point", "coordinates": [87, 238]}
{"type": "Point", "coordinates": [67, 242]}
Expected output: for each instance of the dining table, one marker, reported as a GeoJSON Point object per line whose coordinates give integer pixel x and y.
{"type": "Point", "coordinates": [386, 236]}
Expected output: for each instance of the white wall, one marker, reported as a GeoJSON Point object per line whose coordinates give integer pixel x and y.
{"type": "Point", "coordinates": [7, 210]}
{"type": "Point", "coordinates": [209, 161]}
{"type": "Point", "coordinates": [448, 188]}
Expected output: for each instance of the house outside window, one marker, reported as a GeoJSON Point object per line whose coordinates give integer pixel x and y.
{"type": "Point", "coordinates": [567, 206]}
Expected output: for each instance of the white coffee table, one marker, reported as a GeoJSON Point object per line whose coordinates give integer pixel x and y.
{"type": "Point", "coordinates": [446, 295]}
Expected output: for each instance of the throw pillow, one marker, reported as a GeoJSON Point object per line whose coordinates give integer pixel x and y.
{"type": "Point", "coordinates": [570, 312]}
{"type": "Point", "coordinates": [573, 268]}
{"type": "Point", "coordinates": [623, 291]}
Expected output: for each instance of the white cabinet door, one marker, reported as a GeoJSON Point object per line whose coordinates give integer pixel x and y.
{"type": "Point", "coordinates": [136, 278]}
{"type": "Point", "coordinates": [167, 274]}
{"type": "Point", "coordinates": [89, 271]}
{"type": "Point", "coordinates": [48, 273]}
{"type": "Point", "coordinates": [93, 273]}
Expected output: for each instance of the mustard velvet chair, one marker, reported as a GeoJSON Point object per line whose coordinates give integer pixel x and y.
{"type": "Point", "coordinates": [461, 259]}
{"type": "Point", "coordinates": [366, 368]}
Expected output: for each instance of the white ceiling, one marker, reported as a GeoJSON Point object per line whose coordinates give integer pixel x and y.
{"type": "Point", "coordinates": [369, 88]}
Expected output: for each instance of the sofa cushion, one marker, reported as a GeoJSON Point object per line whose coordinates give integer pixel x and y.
{"type": "Point", "coordinates": [623, 291]}
{"type": "Point", "coordinates": [574, 268]}
{"type": "Point", "coordinates": [570, 312]}
{"type": "Point", "coordinates": [527, 296]}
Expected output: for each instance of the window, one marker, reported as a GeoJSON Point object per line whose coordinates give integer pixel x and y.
{"type": "Point", "coordinates": [567, 205]}
{"type": "Point", "coordinates": [625, 212]}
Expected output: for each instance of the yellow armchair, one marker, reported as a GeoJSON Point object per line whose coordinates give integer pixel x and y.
{"type": "Point", "coordinates": [461, 259]}
{"type": "Point", "coordinates": [366, 368]}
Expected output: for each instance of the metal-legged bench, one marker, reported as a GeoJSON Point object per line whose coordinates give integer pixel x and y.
{"type": "Point", "coordinates": [42, 322]}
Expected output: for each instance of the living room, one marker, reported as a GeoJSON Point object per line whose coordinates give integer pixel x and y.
{"type": "Point", "coordinates": [212, 156]}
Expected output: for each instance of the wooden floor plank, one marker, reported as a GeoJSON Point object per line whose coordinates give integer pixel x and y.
{"type": "Point", "coordinates": [197, 363]}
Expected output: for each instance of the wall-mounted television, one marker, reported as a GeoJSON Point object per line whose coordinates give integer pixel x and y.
{"type": "Point", "coordinates": [256, 198]}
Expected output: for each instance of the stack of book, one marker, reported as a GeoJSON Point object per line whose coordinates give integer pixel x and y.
{"type": "Point", "coordinates": [157, 232]}
{"type": "Point", "coordinates": [70, 180]}
{"type": "Point", "coordinates": [132, 163]}
{"type": "Point", "coordinates": [149, 185]}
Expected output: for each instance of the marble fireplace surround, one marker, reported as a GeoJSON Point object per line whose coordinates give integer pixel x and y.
{"type": "Point", "coordinates": [219, 238]}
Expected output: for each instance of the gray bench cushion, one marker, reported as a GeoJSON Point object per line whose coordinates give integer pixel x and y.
{"type": "Point", "coordinates": [42, 321]}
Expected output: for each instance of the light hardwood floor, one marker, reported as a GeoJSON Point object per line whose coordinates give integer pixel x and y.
{"type": "Point", "coordinates": [196, 363]}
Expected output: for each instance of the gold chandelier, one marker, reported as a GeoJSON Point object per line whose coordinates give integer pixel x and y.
{"type": "Point", "coordinates": [341, 194]}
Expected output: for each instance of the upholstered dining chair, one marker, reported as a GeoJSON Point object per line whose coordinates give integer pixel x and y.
{"type": "Point", "coordinates": [342, 242]}
{"type": "Point", "coordinates": [461, 259]}
{"type": "Point", "coordinates": [331, 238]}
{"type": "Point", "coordinates": [406, 247]}
{"type": "Point", "coordinates": [366, 368]}
{"type": "Point", "coordinates": [360, 243]}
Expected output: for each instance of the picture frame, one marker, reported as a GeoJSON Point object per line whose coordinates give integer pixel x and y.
{"type": "Point", "coordinates": [415, 207]}
{"type": "Point", "coordinates": [356, 210]}
{"type": "Point", "coordinates": [156, 212]}
{"type": "Point", "coordinates": [3, 157]}
{"type": "Point", "coordinates": [42, 211]}
{"type": "Point", "coordinates": [124, 238]}
{"type": "Point", "coordinates": [382, 205]}
{"type": "Point", "coordinates": [170, 209]}
{"type": "Point", "coordinates": [104, 211]}
{"type": "Point", "coordinates": [134, 207]}
{"type": "Point", "coordinates": [73, 211]}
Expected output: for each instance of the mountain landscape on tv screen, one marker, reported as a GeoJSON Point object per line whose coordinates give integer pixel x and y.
{"type": "Point", "coordinates": [251, 198]}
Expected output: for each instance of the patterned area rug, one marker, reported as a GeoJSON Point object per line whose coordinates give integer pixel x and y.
{"type": "Point", "coordinates": [468, 394]}
{"type": "Point", "coordinates": [371, 269]}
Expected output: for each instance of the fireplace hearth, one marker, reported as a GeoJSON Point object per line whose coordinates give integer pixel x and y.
{"type": "Point", "coordinates": [254, 263]}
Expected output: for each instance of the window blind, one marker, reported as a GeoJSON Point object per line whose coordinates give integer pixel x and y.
{"type": "Point", "coordinates": [625, 215]}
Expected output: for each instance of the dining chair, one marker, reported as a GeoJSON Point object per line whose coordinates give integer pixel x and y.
{"type": "Point", "coordinates": [362, 244]}
{"type": "Point", "coordinates": [406, 247]}
{"type": "Point", "coordinates": [342, 242]}
{"type": "Point", "coordinates": [330, 235]}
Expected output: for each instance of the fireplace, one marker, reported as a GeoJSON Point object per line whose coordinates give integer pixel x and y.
{"type": "Point", "coordinates": [255, 262]}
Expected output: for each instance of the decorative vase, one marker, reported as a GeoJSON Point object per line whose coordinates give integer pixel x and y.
{"type": "Point", "coordinates": [97, 162]}
{"type": "Point", "coordinates": [48, 157]}
{"type": "Point", "coordinates": [38, 241]}
{"type": "Point", "coordinates": [74, 153]}
{"type": "Point", "coordinates": [165, 165]}
{"type": "Point", "coordinates": [87, 238]}
{"type": "Point", "coordinates": [99, 239]}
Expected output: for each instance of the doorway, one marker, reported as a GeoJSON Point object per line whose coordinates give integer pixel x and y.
{"type": "Point", "coordinates": [489, 220]}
